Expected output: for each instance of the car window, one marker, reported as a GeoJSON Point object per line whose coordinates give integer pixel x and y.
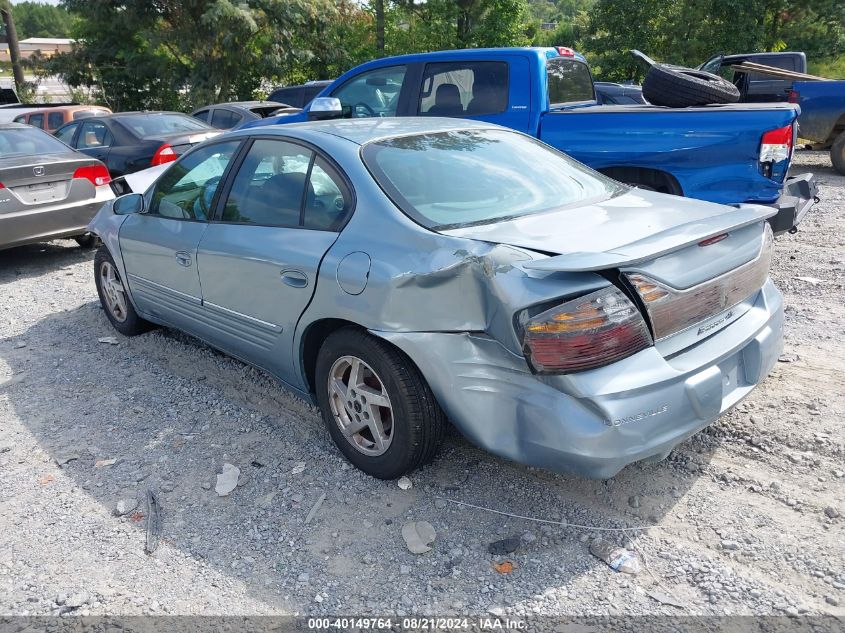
{"type": "Point", "coordinates": [328, 201]}
{"type": "Point", "coordinates": [569, 81]}
{"type": "Point", "coordinates": [462, 177]}
{"type": "Point", "coordinates": [27, 141]}
{"type": "Point", "coordinates": [186, 190]}
{"type": "Point", "coordinates": [55, 120]}
{"type": "Point", "coordinates": [66, 133]}
{"type": "Point", "coordinates": [202, 115]}
{"type": "Point", "coordinates": [36, 120]}
{"type": "Point", "coordinates": [87, 114]}
{"type": "Point", "coordinates": [20, 119]}
{"type": "Point", "coordinates": [225, 119]}
{"type": "Point", "coordinates": [459, 88]}
{"type": "Point", "coordinates": [308, 93]}
{"type": "Point", "coordinates": [269, 186]}
{"type": "Point", "coordinates": [151, 125]}
{"type": "Point", "coordinates": [94, 134]}
{"type": "Point", "coordinates": [289, 96]}
{"type": "Point", "coordinates": [373, 93]}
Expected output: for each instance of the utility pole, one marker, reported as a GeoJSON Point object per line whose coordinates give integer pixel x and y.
{"type": "Point", "coordinates": [379, 28]}
{"type": "Point", "coordinates": [12, 39]}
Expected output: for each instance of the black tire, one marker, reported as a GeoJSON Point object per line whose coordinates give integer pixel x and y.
{"type": "Point", "coordinates": [837, 153]}
{"type": "Point", "coordinates": [418, 422]}
{"type": "Point", "coordinates": [89, 240]}
{"type": "Point", "coordinates": [131, 324]}
{"type": "Point", "coordinates": [677, 87]}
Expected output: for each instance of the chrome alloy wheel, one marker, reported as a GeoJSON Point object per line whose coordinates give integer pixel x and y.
{"type": "Point", "coordinates": [113, 291]}
{"type": "Point", "coordinates": [360, 405]}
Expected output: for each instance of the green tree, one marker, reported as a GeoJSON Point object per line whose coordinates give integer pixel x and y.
{"type": "Point", "coordinates": [34, 19]}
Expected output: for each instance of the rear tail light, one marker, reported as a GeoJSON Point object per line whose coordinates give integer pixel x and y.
{"type": "Point", "coordinates": [164, 154]}
{"type": "Point", "coordinates": [775, 152]}
{"type": "Point", "coordinates": [97, 174]}
{"type": "Point", "coordinates": [794, 96]}
{"type": "Point", "coordinates": [672, 310]}
{"type": "Point", "coordinates": [2, 186]}
{"type": "Point", "coordinates": [591, 331]}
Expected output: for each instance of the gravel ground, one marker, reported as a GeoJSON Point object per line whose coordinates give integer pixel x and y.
{"type": "Point", "coordinates": [749, 511]}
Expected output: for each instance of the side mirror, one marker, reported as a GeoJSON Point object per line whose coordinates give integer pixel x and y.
{"type": "Point", "coordinates": [128, 204]}
{"type": "Point", "coordinates": [325, 108]}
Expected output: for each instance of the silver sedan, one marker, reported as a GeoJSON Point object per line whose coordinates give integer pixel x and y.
{"type": "Point", "coordinates": [400, 273]}
{"type": "Point", "coordinates": [47, 189]}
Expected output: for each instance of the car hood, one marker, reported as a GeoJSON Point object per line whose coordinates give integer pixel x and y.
{"type": "Point", "coordinates": [635, 226]}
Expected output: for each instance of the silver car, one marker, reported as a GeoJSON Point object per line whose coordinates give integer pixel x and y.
{"type": "Point", "coordinates": [400, 273]}
{"type": "Point", "coordinates": [47, 189]}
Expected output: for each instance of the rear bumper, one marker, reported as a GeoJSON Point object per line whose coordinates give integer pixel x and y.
{"type": "Point", "coordinates": [40, 224]}
{"type": "Point", "coordinates": [800, 193]}
{"type": "Point", "coordinates": [596, 422]}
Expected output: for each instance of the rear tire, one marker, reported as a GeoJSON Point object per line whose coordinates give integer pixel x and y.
{"type": "Point", "coordinates": [677, 87]}
{"type": "Point", "coordinates": [399, 428]}
{"type": "Point", "coordinates": [114, 297]}
{"type": "Point", "coordinates": [837, 153]}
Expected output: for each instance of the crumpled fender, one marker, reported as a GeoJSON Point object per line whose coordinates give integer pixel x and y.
{"type": "Point", "coordinates": [106, 225]}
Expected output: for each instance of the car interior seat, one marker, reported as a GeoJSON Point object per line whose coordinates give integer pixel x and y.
{"type": "Point", "coordinates": [447, 101]}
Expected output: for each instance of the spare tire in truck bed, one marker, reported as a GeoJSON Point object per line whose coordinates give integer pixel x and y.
{"type": "Point", "coordinates": [678, 87]}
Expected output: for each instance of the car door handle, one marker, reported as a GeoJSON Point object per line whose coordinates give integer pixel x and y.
{"type": "Point", "coordinates": [183, 258]}
{"type": "Point", "coordinates": [295, 278]}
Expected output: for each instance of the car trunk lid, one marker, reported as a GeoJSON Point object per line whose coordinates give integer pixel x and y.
{"type": "Point", "coordinates": [688, 262]}
{"type": "Point", "coordinates": [42, 179]}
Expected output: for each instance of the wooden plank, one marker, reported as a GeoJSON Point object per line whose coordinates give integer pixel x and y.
{"type": "Point", "coordinates": [751, 67]}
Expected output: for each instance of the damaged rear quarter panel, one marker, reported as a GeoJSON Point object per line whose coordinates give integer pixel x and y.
{"type": "Point", "coordinates": [422, 281]}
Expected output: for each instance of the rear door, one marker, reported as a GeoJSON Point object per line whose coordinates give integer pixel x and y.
{"type": "Point", "coordinates": [159, 246]}
{"type": "Point", "coordinates": [258, 261]}
{"type": "Point", "coordinates": [95, 139]}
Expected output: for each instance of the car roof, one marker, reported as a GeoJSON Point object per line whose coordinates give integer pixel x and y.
{"type": "Point", "coordinates": [365, 130]}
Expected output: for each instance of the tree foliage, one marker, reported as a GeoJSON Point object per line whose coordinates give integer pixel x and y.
{"type": "Point", "coordinates": [34, 19]}
{"type": "Point", "coordinates": [176, 54]}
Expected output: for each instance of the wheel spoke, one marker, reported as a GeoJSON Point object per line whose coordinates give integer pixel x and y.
{"type": "Point", "coordinates": [354, 426]}
{"type": "Point", "coordinates": [355, 374]}
{"type": "Point", "coordinates": [377, 429]}
{"type": "Point", "coordinates": [339, 389]}
{"type": "Point", "coordinates": [374, 397]}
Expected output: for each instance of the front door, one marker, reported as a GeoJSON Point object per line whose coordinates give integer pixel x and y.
{"type": "Point", "coordinates": [159, 246]}
{"type": "Point", "coordinates": [95, 139]}
{"type": "Point", "coordinates": [258, 261]}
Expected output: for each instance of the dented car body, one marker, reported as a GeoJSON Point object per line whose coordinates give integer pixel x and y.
{"type": "Point", "coordinates": [559, 318]}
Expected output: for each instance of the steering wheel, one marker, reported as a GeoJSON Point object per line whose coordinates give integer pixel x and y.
{"type": "Point", "coordinates": [202, 205]}
{"type": "Point", "coordinates": [361, 104]}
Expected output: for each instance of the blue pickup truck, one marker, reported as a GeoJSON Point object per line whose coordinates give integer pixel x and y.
{"type": "Point", "coordinates": [722, 153]}
{"type": "Point", "coordinates": [823, 116]}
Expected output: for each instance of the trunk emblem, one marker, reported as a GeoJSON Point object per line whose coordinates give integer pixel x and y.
{"type": "Point", "coordinates": [38, 171]}
{"type": "Point", "coordinates": [713, 240]}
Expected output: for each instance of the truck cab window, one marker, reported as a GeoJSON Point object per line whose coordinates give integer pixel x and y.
{"type": "Point", "coordinates": [464, 88]}
{"type": "Point", "coordinates": [569, 81]}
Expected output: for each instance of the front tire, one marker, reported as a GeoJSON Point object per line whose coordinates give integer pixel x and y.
{"type": "Point", "coordinates": [376, 405]}
{"type": "Point", "coordinates": [89, 240]}
{"type": "Point", "coordinates": [114, 296]}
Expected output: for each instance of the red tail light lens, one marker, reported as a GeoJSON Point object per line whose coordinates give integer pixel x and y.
{"type": "Point", "coordinates": [794, 96]}
{"type": "Point", "coordinates": [776, 145]}
{"type": "Point", "coordinates": [591, 331]}
{"type": "Point", "coordinates": [97, 174]}
{"type": "Point", "coordinates": [2, 186]}
{"type": "Point", "coordinates": [164, 154]}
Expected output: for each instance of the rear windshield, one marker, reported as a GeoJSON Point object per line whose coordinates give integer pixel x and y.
{"type": "Point", "coordinates": [569, 80]}
{"type": "Point", "coordinates": [87, 114]}
{"type": "Point", "coordinates": [464, 177]}
{"type": "Point", "coordinates": [29, 142]}
{"type": "Point", "coordinates": [149, 125]}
